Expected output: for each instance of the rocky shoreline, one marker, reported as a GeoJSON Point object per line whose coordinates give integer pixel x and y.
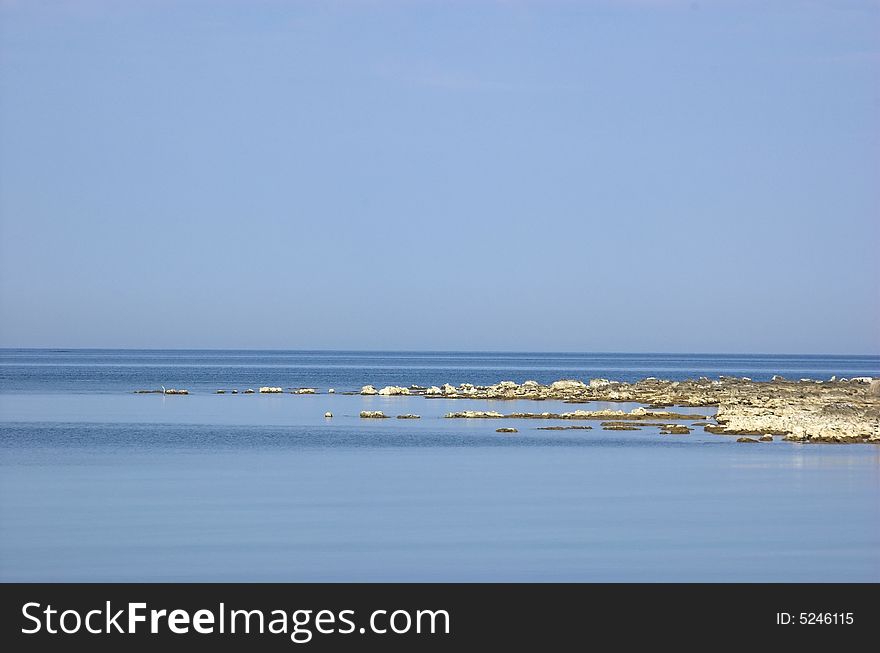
{"type": "Point", "coordinates": [804, 410]}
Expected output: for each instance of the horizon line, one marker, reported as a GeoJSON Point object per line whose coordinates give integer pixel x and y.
{"type": "Point", "coordinates": [443, 351]}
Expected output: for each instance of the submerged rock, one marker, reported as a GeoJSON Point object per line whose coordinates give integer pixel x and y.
{"type": "Point", "coordinates": [506, 429]}
{"type": "Point", "coordinates": [674, 429]}
{"type": "Point", "coordinates": [746, 440]}
{"type": "Point", "coordinates": [409, 416]}
{"type": "Point", "coordinates": [620, 426]}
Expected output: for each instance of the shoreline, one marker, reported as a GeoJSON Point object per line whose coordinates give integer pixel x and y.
{"type": "Point", "coordinates": [805, 410]}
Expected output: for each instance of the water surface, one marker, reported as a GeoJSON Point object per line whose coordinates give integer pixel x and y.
{"type": "Point", "coordinates": [97, 483]}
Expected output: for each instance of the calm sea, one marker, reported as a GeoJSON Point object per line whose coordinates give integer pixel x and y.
{"type": "Point", "coordinates": [97, 483]}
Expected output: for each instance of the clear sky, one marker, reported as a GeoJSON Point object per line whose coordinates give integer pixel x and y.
{"type": "Point", "coordinates": [630, 175]}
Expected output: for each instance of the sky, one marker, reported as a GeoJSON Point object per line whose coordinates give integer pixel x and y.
{"type": "Point", "coordinates": [608, 175]}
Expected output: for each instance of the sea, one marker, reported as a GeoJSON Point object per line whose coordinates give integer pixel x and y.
{"type": "Point", "coordinates": [98, 483]}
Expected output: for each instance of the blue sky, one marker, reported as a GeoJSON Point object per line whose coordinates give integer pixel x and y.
{"type": "Point", "coordinates": [586, 176]}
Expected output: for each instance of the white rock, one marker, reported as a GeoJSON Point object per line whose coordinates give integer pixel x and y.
{"type": "Point", "coordinates": [568, 384]}
{"type": "Point", "coordinates": [328, 414]}
{"type": "Point", "coordinates": [393, 390]}
{"type": "Point", "coordinates": [266, 389]}
{"type": "Point", "coordinates": [369, 390]}
{"type": "Point", "coordinates": [331, 391]}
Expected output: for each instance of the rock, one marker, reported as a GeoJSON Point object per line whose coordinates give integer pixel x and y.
{"type": "Point", "coordinates": [874, 388]}
{"type": "Point", "coordinates": [249, 391]}
{"type": "Point", "coordinates": [331, 391]}
{"type": "Point", "coordinates": [777, 378]}
{"type": "Point", "coordinates": [674, 429]}
{"type": "Point", "coordinates": [393, 391]}
{"type": "Point", "coordinates": [235, 392]}
{"type": "Point", "coordinates": [409, 416]}
{"type": "Point", "coordinates": [474, 414]}
{"type": "Point", "coordinates": [373, 414]}
{"type": "Point", "coordinates": [567, 385]}
{"type": "Point", "coordinates": [506, 430]}
{"type": "Point", "coordinates": [305, 391]}
{"type": "Point", "coordinates": [746, 440]}
{"type": "Point", "coordinates": [369, 390]}
{"type": "Point", "coordinates": [766, 438]}
{"type": "Point", "coordinates": [266, 389]}
{"type": "Point", "coordinates": [175, 391]}
{"type": "Point", "coordinates": [328, 414]}
{"type": "Point", "coordinates": [809, 411]}
{"type": "Point", "coordinates": [220, 392]}
{"type": "Point", "coordinates": [620, 426]}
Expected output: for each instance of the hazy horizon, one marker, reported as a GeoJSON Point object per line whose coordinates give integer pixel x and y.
{"type": "Point", "coordinates": [606, 176]}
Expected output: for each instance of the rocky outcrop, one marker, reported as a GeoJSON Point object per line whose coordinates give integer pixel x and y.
{"type": "Point", "coordinates": [568, 385]}
{"type": "Point", "coordinates": [304, 391]}
{"type": "Point", "coordinates": [805, 419]}
{"type": "Point", "coordinates": [474, 414]}
{"type": "Point", "coordinates": [506, 429]}
{"type": "Point", "coordinates": [393, 391]}
{"type": "Point", "coordinates": [267, 389]}
{"type": "Point", "coordinates": [373, 414]}
{"type": "Point", "coordinates": [837, 410]}
{"type": "Point", "coordinates": [369, 390]}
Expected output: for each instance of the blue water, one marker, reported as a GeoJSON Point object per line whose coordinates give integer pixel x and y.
{"type": "Point", "coordinates": [97, 483]}
{"type": "Point", "coordinates": [98, 370]}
